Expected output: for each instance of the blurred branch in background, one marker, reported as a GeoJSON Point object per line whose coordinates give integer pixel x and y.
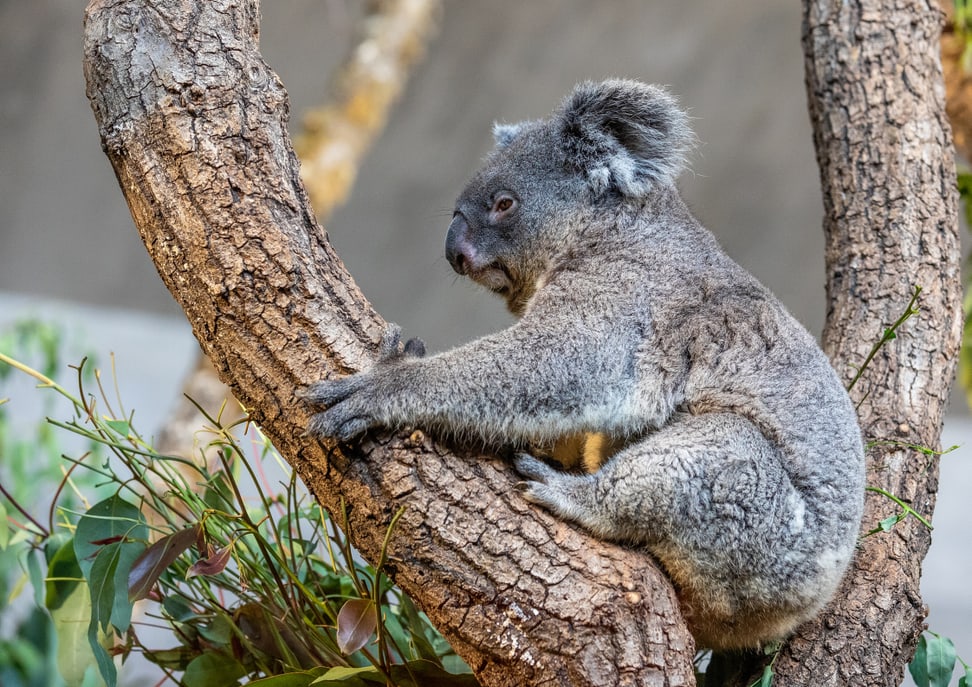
{"type": "Point", "coordinates": [957, 69]}
{"type": "Point", "coordinates": [336, 136]}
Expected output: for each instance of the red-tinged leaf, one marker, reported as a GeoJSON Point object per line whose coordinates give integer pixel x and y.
{"type": "Point", "coordinates": [108, 540]}
{"type": "Point", "coordinates": [155, 559]}
{"type": "Point", "coordinates": [356, 624]}
{"type": "Point", "coordinates": [214, 564]}
{"type": "Point", "coordinates": [201, 545]}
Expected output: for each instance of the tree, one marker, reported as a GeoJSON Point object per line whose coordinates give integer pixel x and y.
{"type": "Point", "coordinates": [193, 122]}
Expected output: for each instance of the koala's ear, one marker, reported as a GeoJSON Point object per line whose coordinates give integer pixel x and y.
{"type": "Point", "coordinates": [624, 134]}
{"type": "Point", "coordinates": [504, 133]}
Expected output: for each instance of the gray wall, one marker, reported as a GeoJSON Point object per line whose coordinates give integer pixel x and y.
{"type": "Point", "coordinates": [65, 231]}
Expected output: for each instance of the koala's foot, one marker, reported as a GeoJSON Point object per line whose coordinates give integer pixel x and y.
{"type": "Point", "coordinates": [566, 495]}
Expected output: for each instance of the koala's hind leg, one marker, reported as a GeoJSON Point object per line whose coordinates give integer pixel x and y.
{"type": "Point", "coordinates": [707, 494]}
{"type": "Point", "coordinates": [698, 471]}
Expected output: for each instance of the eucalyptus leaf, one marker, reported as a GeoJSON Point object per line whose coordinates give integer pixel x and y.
{"type": "Point", "coordinates": [71, 618]}
{"type": "Point", "coordinates": [150, 565]}
{"type": "Point", "coordinates": [213, 669]}
{"type": "Point", "coordinates": [356, 624]}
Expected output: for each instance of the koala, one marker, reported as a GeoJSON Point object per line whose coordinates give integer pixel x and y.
{"type": "Point", "coordinates": [715, 432]}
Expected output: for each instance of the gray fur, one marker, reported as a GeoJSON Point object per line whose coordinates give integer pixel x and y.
{"type": "Point", "coordinates": [740, 464]}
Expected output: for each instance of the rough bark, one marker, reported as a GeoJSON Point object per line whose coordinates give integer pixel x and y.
{"type": "Point", "coordinates": [885, 152]}
{"type": "Point", "coordinates": [337, 135]}
{"type": "Point", "coordinates": [193, 122]}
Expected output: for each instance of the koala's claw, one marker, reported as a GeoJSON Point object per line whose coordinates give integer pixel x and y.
{"type": "Point", "coordinates": [392, 349]}
{"type": "Point", "coordinates": [535, 488]}
{"type": "Point", "coordinates": [532, 469]}
{"type": "Point", "coordinates": [330, 391]}
{"type": "Point", "coordinates": [334, 424]}
{"type": "Point", "coordinates": [345, 416]}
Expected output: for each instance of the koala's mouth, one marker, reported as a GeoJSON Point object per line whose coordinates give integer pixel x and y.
{"type": "Point", "coordinates": [494, 277]}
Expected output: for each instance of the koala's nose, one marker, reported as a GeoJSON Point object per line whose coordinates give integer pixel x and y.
{"type": "Point", "coordinates": [459, 251]}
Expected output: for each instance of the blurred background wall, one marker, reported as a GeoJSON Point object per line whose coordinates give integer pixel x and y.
{"type": "Point", "coordinates": [66, 237]}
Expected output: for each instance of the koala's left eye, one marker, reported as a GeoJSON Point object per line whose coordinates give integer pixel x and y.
{"type": "Point", "coordinates": [503, 204]}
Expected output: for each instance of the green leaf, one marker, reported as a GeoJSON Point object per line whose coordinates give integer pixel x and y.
{"type": "Point", "coordinates": [218, 631]}
{"type": "Point", "coordinates": [178, 608]}
{"type": "Point", "coordinates": [767, 679]}
{"type": "Point", "coordinates": [940, 655]}
{"type": "Point", "coordinates": [356, 624]}
{"type": "Point", "coordinates": [71, 618]}
{"type": "Point", "coordinates": [425, 674]}
{"type": "Point", "coordinates": [418, 630]}
{"type": "Point", "coordinates": [102, 585]}
{"type": "Point", "coordinates": [934, 661]}
{"type": "Point", "coordinates": [213, 669]}
{"type": "Point", "coordinates": [219, 494]}
{"type": "Point", "coordinates": [4, 527]}
{"type": "Point", "coordinates": [110, 519]}
{"type": "Point", "coordinates": [919, 663]}
{"type": "Point", "coordinates": [63, 576]}
{"type": "Point", "coordinates": [342, 676]}
{"type": "Point", "coordinates": [119, 426]}
{"type": "Point", "coordinates": [889, 522]}
{"type": "Point", "coordinates": [110, 536]}
{"type": "Point", "coordinates": [302, 679]}
{"type": "Point", "coordinates": [155, 559]}
{"type": "Point", "coordinates": [106, 666]}
{"type": "Point", "coordinates": [966, 680]}
{"type": "Point", "coordinates": [109, 585]}
{"type": "Point", "coordinates": [37, 578]}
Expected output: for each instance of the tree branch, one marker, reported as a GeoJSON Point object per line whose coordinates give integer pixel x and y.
{"type": "Point", "coordinates": [886, 166]}
{"type": "Point", "coordinates": [194, 123]}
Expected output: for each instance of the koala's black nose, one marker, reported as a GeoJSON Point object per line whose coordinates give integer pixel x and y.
{"type": "Point", "coordinates": [459, 252]}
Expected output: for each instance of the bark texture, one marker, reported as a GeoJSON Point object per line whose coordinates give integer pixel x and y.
{"type": "Point", "coordinates": [194, 123]}
{"type": "Point", "coordinates": [336, 137]}
{"type": "Point", "coordinates": [877, 103]}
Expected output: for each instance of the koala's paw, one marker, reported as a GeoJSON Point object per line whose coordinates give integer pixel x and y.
{"type": "Point", "coordinates": [391, 348]}
{"type": "Point", "coordinates": [542, 485]}
{"type": "Point", "coordinates": [349, 413]}
{"type": "Point", "coordinates": [351, 403]}
{"type": "Point", "coordinates": [566, 495]}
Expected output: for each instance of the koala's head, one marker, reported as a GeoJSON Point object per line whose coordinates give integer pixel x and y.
{"type": "Point", "coordinates": [609, 143]}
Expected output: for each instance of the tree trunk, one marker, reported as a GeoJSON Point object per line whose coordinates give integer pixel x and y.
{"type": "Point", "coordinates": [194, 123]}
{"type": "Point", "coordinates": [877, 104]}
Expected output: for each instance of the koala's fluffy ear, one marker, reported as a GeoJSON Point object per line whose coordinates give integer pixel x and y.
{"type": "Point", "coordinates": [624, 134]}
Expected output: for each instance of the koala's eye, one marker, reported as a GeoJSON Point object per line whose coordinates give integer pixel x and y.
{"type": "Point", "coordinates": [503, 204]}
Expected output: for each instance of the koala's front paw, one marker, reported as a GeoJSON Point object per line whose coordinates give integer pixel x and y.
{"type": "Point", "coordinates": [348, 414]}
{"type": "Point", "coordinates": [392, 350]}
{"type": "Point", "coordinates": [352, 403]}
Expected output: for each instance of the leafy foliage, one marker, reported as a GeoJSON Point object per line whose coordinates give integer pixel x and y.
{"type": "Point", "coordinates": [934, 663]}
{"type": "Point", "coordinates": [253, 579]}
